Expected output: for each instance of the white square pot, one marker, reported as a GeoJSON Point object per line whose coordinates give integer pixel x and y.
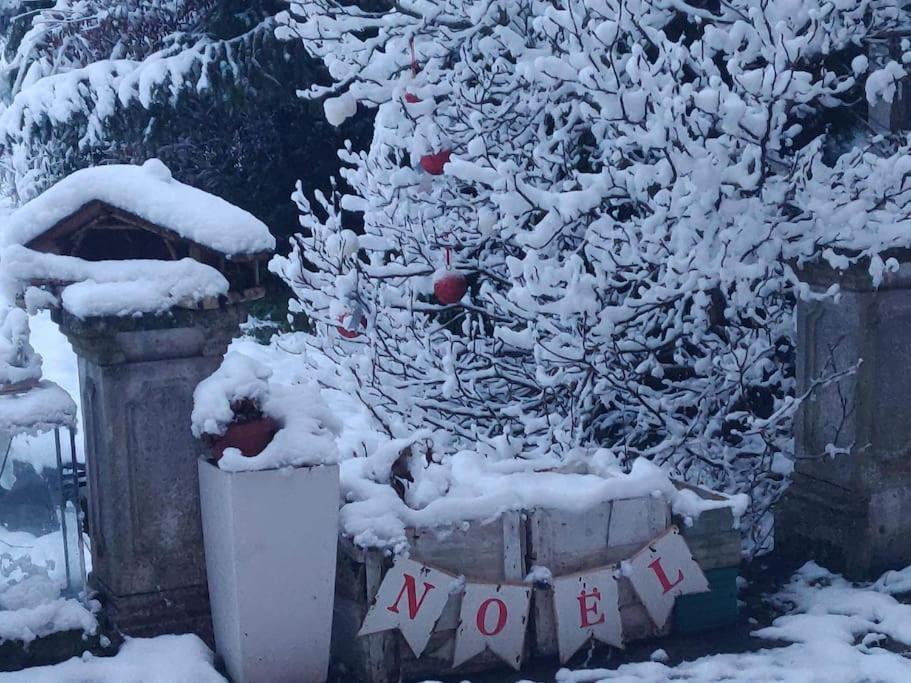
{"type": "Point", "coordinates": [271, 538]}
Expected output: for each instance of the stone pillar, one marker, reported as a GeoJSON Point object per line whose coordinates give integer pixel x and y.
{"type": "Point", "coordinates": [895, 115]}
{"type": "Point", "coordinates": [852, 512]}
{"type": "Point", "coordinates": [137, 377]}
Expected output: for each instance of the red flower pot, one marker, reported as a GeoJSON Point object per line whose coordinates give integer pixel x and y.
{"type": "Point", "coordinates": [250, 438]}
{"type": "Point", "coordinates": [434, 163]}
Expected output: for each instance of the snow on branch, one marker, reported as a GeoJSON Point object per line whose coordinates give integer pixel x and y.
{"type": "Point", "coordinates": [625, 188]}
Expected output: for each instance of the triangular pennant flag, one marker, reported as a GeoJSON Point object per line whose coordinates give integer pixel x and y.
{"type": "Point", "coordinates": [411, 598]}
{"type": "Point", "coordinates": [587, 605]}
{"type": "Point", "coordinates": [493, 616]}
{"type": "Point", "coordinates": [663, 570]}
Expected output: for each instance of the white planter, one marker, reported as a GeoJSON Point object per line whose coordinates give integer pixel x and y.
{"type": "Point", "coordinates": [271, 538]}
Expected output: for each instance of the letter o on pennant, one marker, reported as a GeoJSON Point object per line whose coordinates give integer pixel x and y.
{"type": "Point", "coordinates": [502, 616]}
{"type": "Point", "coordinates": [494, 617]}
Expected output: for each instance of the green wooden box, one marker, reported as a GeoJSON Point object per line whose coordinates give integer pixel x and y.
{"type": "Point", "coordinates": [706, 611]}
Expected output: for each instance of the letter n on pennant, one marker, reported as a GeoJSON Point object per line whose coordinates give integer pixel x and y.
{"type": "Point", "coordinates": [411, 599]}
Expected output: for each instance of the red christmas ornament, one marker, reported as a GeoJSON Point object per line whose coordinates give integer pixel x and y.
{"type": "Point", "coordinates": [450, 287]}
{"type": "Point", "coordinates": [409, 97]}
{"type": "Point", "coordinates": [343, 328]}
{"type": "Point", "coordinates": [434, 163]}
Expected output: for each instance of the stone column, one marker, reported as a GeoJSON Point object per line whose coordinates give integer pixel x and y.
{"type": "Point", "coordinates": [852, 512]}
{"type": "Point", "coordinates": [137, 377]}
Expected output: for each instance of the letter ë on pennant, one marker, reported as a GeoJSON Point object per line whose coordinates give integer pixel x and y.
{"type": "Point", "coordinates": [493, 616]}
{"type": "Point", "coordinates": [411, 598]}
{"type": "Point", "coordinates": [587, 605]}
{"type": "Point", "coordinates": [663, 570]}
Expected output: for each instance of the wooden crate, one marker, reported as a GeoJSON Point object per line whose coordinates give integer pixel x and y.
{"type": "Point", "coordinates": [489, 552]}
{"type": "Point", "coordinates": [712, 537]}
{"type": "Point", "coordinates": [716, 545]}
{"type": "Point", "coordinates": [504, 550]}
{"type": "Point", "coordinates": [568, 542]}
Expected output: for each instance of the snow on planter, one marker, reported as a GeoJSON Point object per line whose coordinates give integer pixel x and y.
{"type": "Point", "coordinates": [126, 240]}
{"type": "Point", "coordinates": [307, 428]}
{"type": "Point", "coordinates": [270, 522]}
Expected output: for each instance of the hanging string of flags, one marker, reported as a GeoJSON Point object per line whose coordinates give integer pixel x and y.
{"type": "Point", "coordinates": [494, 616]}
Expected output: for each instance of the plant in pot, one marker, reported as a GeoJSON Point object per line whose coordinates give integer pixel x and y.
{"type": "Point", "coordinates": [249, 432]}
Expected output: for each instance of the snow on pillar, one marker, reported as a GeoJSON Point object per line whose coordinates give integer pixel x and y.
{"type": "Point", "coordinates": [889, 108]}
{"type": "Point", "coordinates": [852, 512]}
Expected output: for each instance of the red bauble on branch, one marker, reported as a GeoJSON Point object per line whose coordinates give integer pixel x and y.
{"type": "Point", "coordinates": [409, 97]}
{"type": "Point", "coordinates": [449, 287]}
{"type": "Point", "coordinates": [344, 328]}
{"type": "Point", "coordinates": [434, 163]}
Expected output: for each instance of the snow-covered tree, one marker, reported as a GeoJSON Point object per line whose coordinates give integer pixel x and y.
{"type": "Point", "coordinates": [605, 258]}
{"type": "Point", "coordinates": [204, 85]}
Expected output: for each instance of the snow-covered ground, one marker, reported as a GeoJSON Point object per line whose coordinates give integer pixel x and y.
{"type": "Point", "coordinates": [839, 633]}
{"type": "Point", "coordinates": [165, 659]}
{"type": "Point", "coordinates": [32, 576]}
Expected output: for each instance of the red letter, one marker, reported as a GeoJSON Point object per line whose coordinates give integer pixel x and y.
{"type": "Point", "coordinates": [482, 617]}
{"type": "Point", "coordinates": [585, 609]}
{"type": "Point", "coordinates": [413, 603]}
{"type": "Point", "coordinates": [662, 577]}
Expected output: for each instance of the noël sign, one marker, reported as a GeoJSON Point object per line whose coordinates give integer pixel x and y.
{"type": "Point", "coordinates": [494, 616]}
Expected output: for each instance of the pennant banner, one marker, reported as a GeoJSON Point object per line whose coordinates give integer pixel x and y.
{"type": "Point", "coordinates": [493, 616]}
{"type": "Point", "coordinates": [587, 605]}
{"type": "Point", "coordinates": [662, 571]}
{"type": "Point", "coordinates": [411, 599]}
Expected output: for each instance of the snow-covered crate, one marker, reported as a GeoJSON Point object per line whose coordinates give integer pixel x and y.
{"type": "Point", "coordinates": [713, 535]}
{"type": "Point", "coordinates": [491, 551]}
{"type": "Point", "coordinates": [271, 538]}
{"type": "Point", "coordinates": [714, 540]}
{"type": "Point", "coordinates": [565, 542]}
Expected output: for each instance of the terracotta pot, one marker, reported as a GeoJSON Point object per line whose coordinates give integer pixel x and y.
{"type": "Point", "coordinates": [250, 438]}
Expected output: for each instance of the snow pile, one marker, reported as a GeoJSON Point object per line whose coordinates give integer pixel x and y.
{"type": "Point", "coordinates": [112, 288]}
{"type": "Point", "coordinates": [308, 428]}
{"type": "Point", "coordinates": [165, 659]}
{"type": "Point", "coordinates": [18, 361]}
{"type": "Point", "coordinates": [439, 492]}
{"type": "Point", "coordinates": [471, 487]}
{"type": "Point", "coordinates": [59, 365]}
{"type": "Point", "coordinates": [42, 616]}
{"type": "Point", "coordinates": [31, 580]}
{"type": "Point", "coordinates": [149, 192]}
{"type": "Point", "coordinates": [841, 633]}
{"type": "Point", "coordinates": [39, 409]}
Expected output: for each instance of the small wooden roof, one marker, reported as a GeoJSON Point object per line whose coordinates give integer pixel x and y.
{"type": "Point", "coordinates": [144, 198]}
